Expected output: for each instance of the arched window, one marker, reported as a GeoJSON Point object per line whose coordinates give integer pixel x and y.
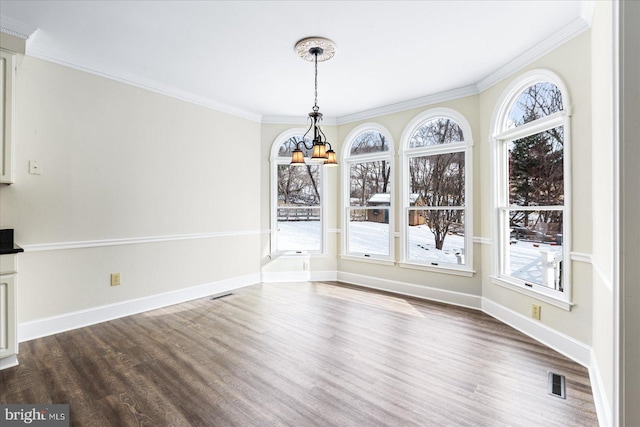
{"type": "Point", "coordinates": [367, 170]}
{"type": "Point", "coordinates": [530, 143]}
{"type": "Point", "coordinates": [436, 186]}
{"type": "Point", "coordinates": [297, 199]}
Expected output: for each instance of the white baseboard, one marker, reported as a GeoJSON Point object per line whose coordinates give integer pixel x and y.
{"type": "Point", "coordinates": [65, 322]}
{"type": "Point", "coordinates": [409, 289]}
{"type": "Point", "coordinates": [558, 341]}
{"type": "Point", "coordinates": [285, 276]}
{"type": "Point", "coordinates": [298, 276]}
{"type": "Point", "coordinates": [603, 408]}
{"type": "Point", "coordinates": [8, 362]}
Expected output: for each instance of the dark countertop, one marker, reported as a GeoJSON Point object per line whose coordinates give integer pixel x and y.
{"type": "Point", "coordinates": [6, 250]}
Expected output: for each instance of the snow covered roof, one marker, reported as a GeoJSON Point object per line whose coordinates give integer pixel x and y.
{"type": "Point", "coordinates": [413, 197]}
{"type": "Point", "coordinates": [380, 198]}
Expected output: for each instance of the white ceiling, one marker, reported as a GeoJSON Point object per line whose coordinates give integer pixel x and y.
{"type": "Point", "coordinates": [238, 56]}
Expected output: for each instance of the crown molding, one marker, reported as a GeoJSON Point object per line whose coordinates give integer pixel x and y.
{"type": "Point", "coordinates": [57, 57]}
{"type": "Point", "coordinates": [407, 105]}
{"type": "Point", "coordinates": [574, 29]}
{"type": "Point", "coordinates": [16, 28]}
{"type": "Point", "coordinates": [587, 9]}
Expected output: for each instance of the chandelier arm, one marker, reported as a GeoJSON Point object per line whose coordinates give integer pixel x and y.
{"type": "Point", "coordinates": [305, 136]}
{"type": "Point", "coordinates": [324, 137]}
{"type": "Point", "coordinates": [304, 144]}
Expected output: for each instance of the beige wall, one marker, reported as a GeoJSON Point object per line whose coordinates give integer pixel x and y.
{"type": "Point", "coordinates": [120, 162]}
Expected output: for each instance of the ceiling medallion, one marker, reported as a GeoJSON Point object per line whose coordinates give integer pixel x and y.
{"type": "Point", "coordinates": [307, 48]}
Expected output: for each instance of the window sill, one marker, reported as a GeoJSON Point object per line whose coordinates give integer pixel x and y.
{"type": "Point", "coordinates": [438, 269]}
{"type": "Point", "coordinates": [557, 302]}
{"type": "Point", "coordinates": [362, 258]}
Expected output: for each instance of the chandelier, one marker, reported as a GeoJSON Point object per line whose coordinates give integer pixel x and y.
{"type": "Point", "coordinates": [316, 49]}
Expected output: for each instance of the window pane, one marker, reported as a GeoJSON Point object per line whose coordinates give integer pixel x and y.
{"type": "Point", "coordinates": [436, 236]}
{"type": "Point", "coordinates": [437, 180]}
{"type": "Point", "coordinates": [536, 170]}
{"type": "Point", "coordinates": [369, 231]}
{"type": "Point", "coordinates": [369, 142]}
{"type": "Point", "coordinates": [370, 183]}
{"type": "Point", "coordinates": [437, 131]}
{"type": "Point", "coordinates": [539, 100]}
{"type": "Point", "coordinates": [298, 185]}
{"type": "Point", "coordinates": [299, 229]}
{"type": "Point", "coordinates": [289, 145]}
{"type": "Point", "coordinates": [534, 253]}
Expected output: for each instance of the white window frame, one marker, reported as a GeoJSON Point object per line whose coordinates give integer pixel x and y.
{"type": "Point", "coordinates": [346, 161]}
{"type": "Point", "coordinates": [500, 137]}
{"type": "Point", "coordinates": [276, 160]}
{"type": "Point", "coordinates": [406, 152]}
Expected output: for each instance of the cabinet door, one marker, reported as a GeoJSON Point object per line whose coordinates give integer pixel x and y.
{"type": "Point", "coordinates": [8, 344]}
{"type": "Point", "coordinates": [7, 96]}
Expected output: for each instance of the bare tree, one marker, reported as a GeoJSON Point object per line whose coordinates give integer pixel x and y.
{"type": "Point", "coordinates": [369, 178]}
{"type": "Point", "coordinates": [439, 178]}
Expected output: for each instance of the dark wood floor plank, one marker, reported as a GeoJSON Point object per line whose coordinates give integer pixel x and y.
{"type": "Point", "coordinates": [301, 354]}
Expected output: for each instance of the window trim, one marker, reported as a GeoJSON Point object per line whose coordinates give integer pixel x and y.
{"type": "Point", "coordinates": [500, 136]}
{"type": "Point", "coordinates": [466, 147]}
{"type": "Point", "coordinates": [346, 160]}
{"type": "Point", "coordinates": [274, 161]}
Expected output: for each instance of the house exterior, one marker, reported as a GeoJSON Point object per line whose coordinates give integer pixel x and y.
{"type": "Point", "coordinates": [384, 200]}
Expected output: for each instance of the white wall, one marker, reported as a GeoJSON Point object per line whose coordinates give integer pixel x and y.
{"type": "Point", "coordinates": [603, 203]}
{"type": "Point", "coordinates": [121, 164]}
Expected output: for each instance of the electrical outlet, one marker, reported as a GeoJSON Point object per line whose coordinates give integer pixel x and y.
{"type": "Point", "coordinates": [115, 279]}
{"type": "Point", "coordinates": [305, 266]}
{"type": "Point", "coordinates": [535, 311]}
{"type": "Point", "coordinates": [35, 168]}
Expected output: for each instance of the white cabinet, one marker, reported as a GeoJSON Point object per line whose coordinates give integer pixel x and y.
{"type": "Point", "coordinates": [8, 315]}
{"type": "Point", "coordinates": [7, 101]}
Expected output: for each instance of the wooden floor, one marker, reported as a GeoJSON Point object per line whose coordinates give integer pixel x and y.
{"type": "Point", "coordinates": [303, 354]}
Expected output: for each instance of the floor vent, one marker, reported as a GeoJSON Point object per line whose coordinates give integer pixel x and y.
{"type": "Point", "coordinates": [557, 385]}
{"type": "Point", "coordinates": [215, 297]}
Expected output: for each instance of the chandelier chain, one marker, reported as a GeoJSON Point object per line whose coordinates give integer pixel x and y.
{"type": "Point", "coordinates": [315, 102]}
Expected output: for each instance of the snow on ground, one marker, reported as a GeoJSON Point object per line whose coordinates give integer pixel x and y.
{"type": "Point", "coordinates": [368, 238]}
{"type": "Point", "coordinates": [422, 247]}
{"type": "Point", "coordinates": [525, 258]}
{"type": "Point", "coordinates": [299, 235]}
